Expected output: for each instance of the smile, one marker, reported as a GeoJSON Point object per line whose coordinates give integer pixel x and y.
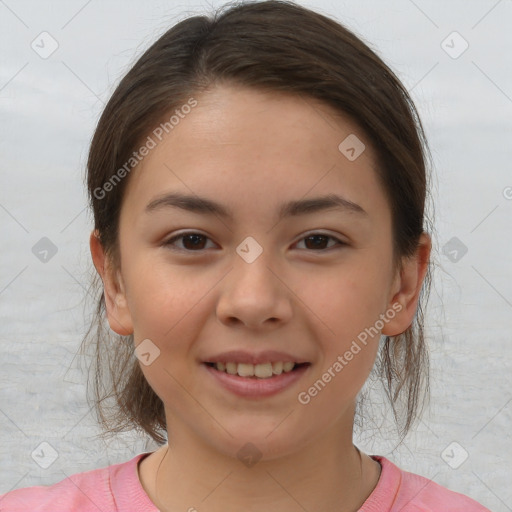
{"type": "Point", "coordinates": [256, 381]}
{"type": "Point", "coordinates": [261, 371]}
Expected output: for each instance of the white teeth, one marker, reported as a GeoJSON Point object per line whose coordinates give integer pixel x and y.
{"type": "Point", "coordinates": [262, 371]}
{"type": "Point", "coordinates": [231, 368]}
{"type": "Point", "coordinates": [245, 370]}
{"type": "Point", "coordinates": [277, 368]}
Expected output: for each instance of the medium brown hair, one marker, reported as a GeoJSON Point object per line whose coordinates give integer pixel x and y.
{"type": "Point", "coordinates": [275, 46]}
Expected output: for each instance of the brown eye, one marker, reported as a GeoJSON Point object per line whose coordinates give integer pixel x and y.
{"type": "Point", "coordinates": [318, 241]}
{"type": "Point", "coordinates": [192, 242]}
{"type": "Point", "coordinates": [195, 242]}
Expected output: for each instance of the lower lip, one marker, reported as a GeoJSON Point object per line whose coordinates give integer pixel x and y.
{"type": "Point", "coordinates": [255, 387]}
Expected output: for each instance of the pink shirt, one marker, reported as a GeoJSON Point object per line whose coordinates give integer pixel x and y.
{"type": "Point", "coordinates": [117, 488]}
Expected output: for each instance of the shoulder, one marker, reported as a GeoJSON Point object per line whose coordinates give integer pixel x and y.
{"type": "Point", "coordinates": [415, 493]}
{"type": "Point", "coordinates": [80, 492]}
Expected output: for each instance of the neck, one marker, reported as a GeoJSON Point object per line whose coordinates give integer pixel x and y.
{"type": "Point", "coordinates": [328, 474]}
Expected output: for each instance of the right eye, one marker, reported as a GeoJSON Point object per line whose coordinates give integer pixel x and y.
{"type": "Point", "coordinates": [192, 242]}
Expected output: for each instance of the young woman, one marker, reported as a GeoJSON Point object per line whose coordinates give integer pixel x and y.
{"type": "Point", "coordinates": [258, 185]}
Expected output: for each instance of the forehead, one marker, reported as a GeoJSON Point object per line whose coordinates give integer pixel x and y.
{"type": "Point", "coordinates": [251, 149]}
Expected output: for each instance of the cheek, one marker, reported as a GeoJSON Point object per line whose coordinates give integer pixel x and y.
{"type": "Point", "coordinates": [161, 296]}
{"type": "Point", "coordinates": [348, 306]}
{"type": "Point", "coordinates": [347, 301]}
{"type": "Point", "coordinates": [166, 305]}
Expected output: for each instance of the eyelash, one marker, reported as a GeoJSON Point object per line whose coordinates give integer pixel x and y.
{"type": "Point", "coordinates": [169, 243]}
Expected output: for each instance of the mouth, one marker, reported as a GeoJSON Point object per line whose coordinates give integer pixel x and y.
{"type": "Point", "coordinates": [257, 371]}
{"type": "Point", "coordinates": [256, 381]}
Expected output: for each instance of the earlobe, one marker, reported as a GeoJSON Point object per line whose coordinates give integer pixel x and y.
{"type": "Point", "coordinates": [407, 288]}
{"type": "Point", "coordinates": [118, 314]}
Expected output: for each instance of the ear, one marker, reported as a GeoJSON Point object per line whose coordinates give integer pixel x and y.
{"type": "Point", "coordinates": [119, 317]}
{"type": "Point", "coordinates": [406, 288]}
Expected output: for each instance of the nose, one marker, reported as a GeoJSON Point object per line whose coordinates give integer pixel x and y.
{"type": "Point", "coordinates": [254, 295]}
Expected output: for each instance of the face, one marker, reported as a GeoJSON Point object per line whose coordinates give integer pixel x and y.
{"type": "Point", "coordinates": [199, 284]}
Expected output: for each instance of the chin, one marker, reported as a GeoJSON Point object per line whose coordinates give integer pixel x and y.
{"type": "Point", "coordinates": [253, 445]}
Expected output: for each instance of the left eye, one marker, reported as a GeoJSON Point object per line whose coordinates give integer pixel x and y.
{"type": "Point", "coordinates": [320, 238]}
{"type": "Point", "coordinates": [194, 238]}
{"type": "Point", "coordinates": [192, 241]}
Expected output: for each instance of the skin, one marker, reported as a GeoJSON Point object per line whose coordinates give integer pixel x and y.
{"type": "Point", "coordinates": [252, 151]}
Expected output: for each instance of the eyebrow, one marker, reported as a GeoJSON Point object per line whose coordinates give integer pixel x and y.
{"type": "Point", "coordinates": [205, 206]}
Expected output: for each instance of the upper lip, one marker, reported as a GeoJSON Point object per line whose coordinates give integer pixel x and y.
{"type": "Point", "coordinates": [241, 356]}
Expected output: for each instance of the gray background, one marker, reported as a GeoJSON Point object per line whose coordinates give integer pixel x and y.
{"type": "Point", "coordinates": [49, 107]}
